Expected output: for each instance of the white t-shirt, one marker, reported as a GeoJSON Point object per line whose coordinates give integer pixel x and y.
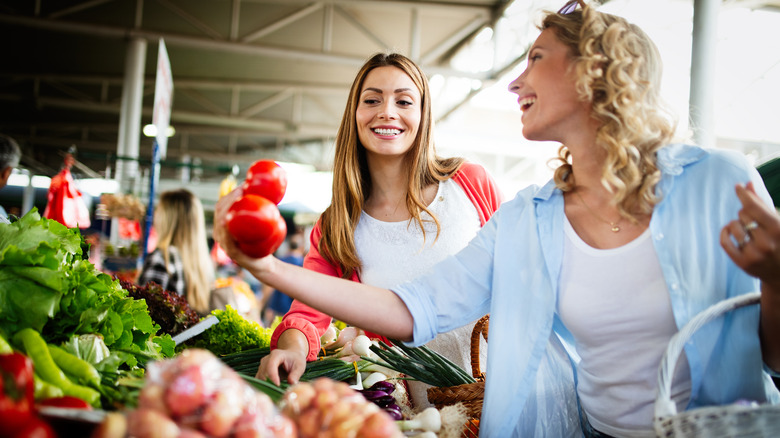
{"type": "Point", "coordinates": [394, 252]}
{"type": "Point", "coordinates": [616, 305]}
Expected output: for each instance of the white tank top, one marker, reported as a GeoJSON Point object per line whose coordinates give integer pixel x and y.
{"type": "Point", "coordinates": [616, 305]}
{"type": "Point", "coordinates": [394, 252]}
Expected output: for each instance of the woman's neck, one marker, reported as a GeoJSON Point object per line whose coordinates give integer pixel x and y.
{"type": "Point", "coordinates": [389, 185]}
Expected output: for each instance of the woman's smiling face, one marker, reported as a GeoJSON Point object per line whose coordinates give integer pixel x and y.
{"type": "Point", "coordinates": [546, 91]}
{"type": "Point", "coordinates": [388, 112]}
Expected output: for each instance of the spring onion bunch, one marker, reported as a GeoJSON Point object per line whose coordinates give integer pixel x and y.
{"type": "Point", "coordinates": [420, 363]}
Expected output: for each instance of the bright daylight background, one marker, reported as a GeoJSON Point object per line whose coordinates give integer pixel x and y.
{"type": "Point", "coordinates": [747, 85]}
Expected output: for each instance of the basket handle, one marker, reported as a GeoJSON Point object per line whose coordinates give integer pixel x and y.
{"type": "Point", "coordinates": [664, 407]}
{"type": "Point", "coordinates": [480, 328]}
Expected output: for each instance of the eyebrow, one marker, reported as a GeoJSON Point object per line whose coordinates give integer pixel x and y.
{"type": "Point", "coordinates": [377, 90]}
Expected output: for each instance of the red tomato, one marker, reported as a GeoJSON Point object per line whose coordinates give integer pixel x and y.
{"type": "Point", "coordinates": [66, 401]}
{"type": "Point", "coordinates": [16, 391]}
{"type": "Point", "coordinates": [267, 179]}
{"type": "Point", "coordinates": [36, 428]}
{"type": "Point", "coordinates": [256, 224]}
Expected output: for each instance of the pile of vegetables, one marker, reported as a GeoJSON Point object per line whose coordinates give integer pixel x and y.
{"type": "Point", "coordinates": [194, 394]}
{"type": "Point", "coordinates": [57, 308]}
{"type": "Point", "coordinates": [325, 407]}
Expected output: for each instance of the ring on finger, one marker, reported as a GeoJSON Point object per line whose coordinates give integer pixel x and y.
{"type": "Point", "coordinates": [745, 240]}
{"type": "Point", "coordinates": [750, 226]}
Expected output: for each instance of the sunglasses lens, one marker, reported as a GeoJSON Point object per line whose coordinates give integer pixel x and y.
{"type": "Point", "coordinates": [568, 8]}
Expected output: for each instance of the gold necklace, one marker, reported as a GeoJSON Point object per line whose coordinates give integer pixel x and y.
{"type": "Point", "coordinates": [613, 225]}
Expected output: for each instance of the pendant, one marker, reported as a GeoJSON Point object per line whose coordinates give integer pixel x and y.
{"type": "Point", "coordinates": [615, 228]}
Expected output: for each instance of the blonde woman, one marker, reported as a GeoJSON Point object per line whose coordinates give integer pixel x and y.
{"type": "Point", "coordinates": [181, 261]}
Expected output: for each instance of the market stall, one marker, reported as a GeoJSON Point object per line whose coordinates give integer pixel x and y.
{"type": "Point", "coordinates": [106, 358]}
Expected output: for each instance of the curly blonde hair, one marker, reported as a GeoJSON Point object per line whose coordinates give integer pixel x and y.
{"type": "Point", "coordinates": [619, 72]}
{"type": "Point", "coordinates": [351, 178]}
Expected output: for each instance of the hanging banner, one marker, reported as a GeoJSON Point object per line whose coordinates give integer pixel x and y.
{"type": "Point", "coordinates": [163, 97]}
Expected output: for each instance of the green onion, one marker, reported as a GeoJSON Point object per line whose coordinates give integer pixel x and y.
{"type": "Point", "coordinates": [266, 387]}
{"type": "Point", "coordinates": [420, 363]}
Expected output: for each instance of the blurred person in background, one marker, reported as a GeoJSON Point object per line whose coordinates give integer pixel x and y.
{"type": "Point", "coordinates": [10, 154]}
{"type": "Point", "coordinates": [181, 262]}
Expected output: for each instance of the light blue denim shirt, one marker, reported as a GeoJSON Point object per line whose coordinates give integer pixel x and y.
{"type": "Point", "coordinates": [511, 270]}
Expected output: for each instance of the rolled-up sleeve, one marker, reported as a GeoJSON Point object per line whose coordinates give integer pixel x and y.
{"type": "Point", "coordinates": [453, 293]}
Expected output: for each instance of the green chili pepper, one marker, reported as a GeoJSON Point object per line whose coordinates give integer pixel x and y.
{"type": "Point", "coordinates": [45, 390]}
{"type": "Point", "coordinates": [75, 367]}
{"type": "Point", "coordinates": [5, 347]}
{"type": "Point", "coordinates": [37, 349]}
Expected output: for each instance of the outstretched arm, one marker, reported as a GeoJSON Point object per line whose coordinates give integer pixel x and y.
{"type": "Point", "coordinates": [370, 308]}
{"type": "Point", "coordinates": [757, 252]}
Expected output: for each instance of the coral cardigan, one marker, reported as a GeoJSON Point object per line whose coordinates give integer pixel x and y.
{"type": "Point", "coordinates": [472, 178]}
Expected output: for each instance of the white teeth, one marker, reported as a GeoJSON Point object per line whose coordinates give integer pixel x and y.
{"type": "Point", "coordinates": [384, 131]}
{"type": "Point", "coordinates": [526, 102]}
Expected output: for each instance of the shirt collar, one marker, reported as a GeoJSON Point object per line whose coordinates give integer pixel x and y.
{"type": "Point", "coordinates": [670, 159]}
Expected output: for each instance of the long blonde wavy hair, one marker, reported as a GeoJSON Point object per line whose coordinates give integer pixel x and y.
{"type": "Point", "coordinates": [180, 222]}
{"type": "Point", "coordinates": [619, 71]}
{"type": "Point", "coordinates": [351, 178]}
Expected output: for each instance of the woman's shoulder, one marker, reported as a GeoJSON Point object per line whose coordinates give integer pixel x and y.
{"type": "Point", "coordinates": [470, 169]}
{"type": "Point", "coordinates": [672, 159]}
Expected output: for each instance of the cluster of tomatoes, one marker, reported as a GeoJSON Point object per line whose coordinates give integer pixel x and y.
{"type": "Point", "coordinates": [254, 219]}
{"type": "Point", "coordinates": [18, 409]}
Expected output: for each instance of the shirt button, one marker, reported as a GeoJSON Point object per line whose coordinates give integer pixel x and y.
{"type": "Point", "coordinates": [659, 236]}
{"type": "Point", "coordinates": [675, 286]}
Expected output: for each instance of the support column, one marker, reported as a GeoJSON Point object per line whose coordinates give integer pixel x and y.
{"type": "Point", "coordinates": [130, 114]}
{"type": "Point", "coordinates": [129, 123]}
{"type": "Point", "coordinates": [701, 111]}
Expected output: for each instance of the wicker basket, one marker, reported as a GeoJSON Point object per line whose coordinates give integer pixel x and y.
{"type": "Point", "coordinates": [714, 421]}
{"type": "Point", "coordinates": [470, 394]}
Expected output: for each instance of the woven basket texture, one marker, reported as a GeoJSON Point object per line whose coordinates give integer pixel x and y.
{"type": "Point", "coordinates": [727, 421]}
{"type": "Point", "coordinates": [471, 394]}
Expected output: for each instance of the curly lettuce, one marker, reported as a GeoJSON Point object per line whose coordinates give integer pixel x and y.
{"type": "Point", "coordinates": [232, 334]}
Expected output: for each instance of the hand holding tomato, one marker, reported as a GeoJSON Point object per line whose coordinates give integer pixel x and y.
{"type": "Point", "coordinates": [252, 218]}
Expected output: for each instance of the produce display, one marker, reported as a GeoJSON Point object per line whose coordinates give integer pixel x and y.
{"type": "Point", "coordinates": [85, 336]}
{"type": "Point", "coordinates": [195, 394]}
{"type": "Point", "coordinates": [325, 407]}
{"type": "Point", "coordinates": [254, 220]}
{"type": "Point", "coordinates": [76, 339]}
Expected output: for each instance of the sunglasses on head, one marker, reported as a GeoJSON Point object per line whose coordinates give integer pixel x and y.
{"type": "Point", "coordinates": [570, 6]}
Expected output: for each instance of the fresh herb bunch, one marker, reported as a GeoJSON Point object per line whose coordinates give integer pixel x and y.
{"type": "Point", "coordinates": [420, 363]}
{"type": "Point", "coordinates": [233, 333]}
{"type": "Point", "coordinates": [168, 309]}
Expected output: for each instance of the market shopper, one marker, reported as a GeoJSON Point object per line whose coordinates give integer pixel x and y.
{"type": "Point", "coordinates": [632, 237]}
{"type": "Point", "coordinates": [10, 154]}
{"type": "Point", "coordinates": [397, 208]}
{"type": "Point", "coordinates": [181, 263]}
